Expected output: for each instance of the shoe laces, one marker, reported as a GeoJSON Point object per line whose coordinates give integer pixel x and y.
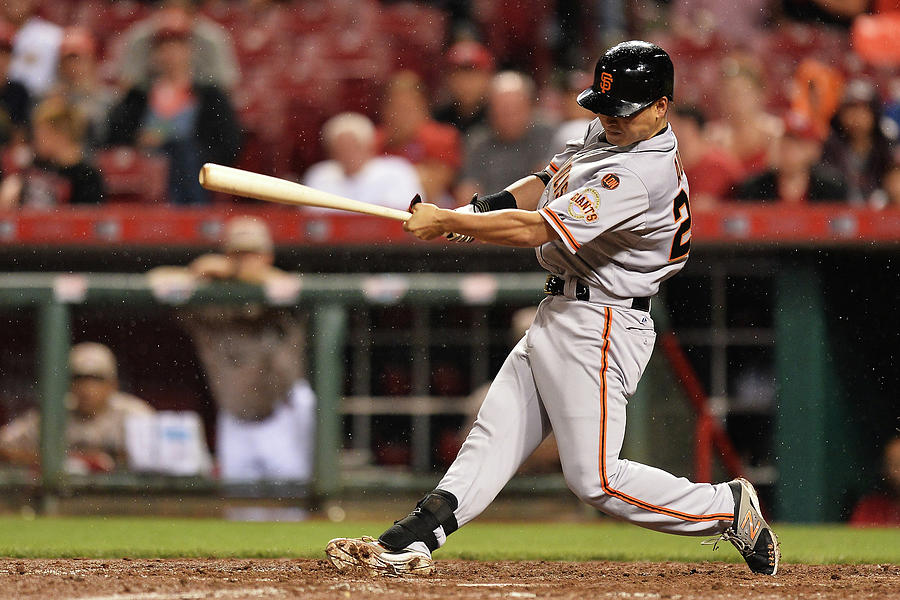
{"type": "Point", "coordinates": [728, 536]}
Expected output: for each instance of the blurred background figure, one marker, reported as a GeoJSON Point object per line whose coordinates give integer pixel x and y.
{"type": "Point", "coordinates": [712, 172]}
{"type": "Point", "coordinates": [882, 507]}
{"type": "Point", "coordinates": [745, 128]}
{"type": "Point", "coordinates": [60, 173]}
{"type": "Point", "coordinates": [189, 121]}
{"type": "Point", "coordinates": [213, 59]}
{"type": "Point", "coordinates": [354, 171]}
{"type": "Point", "coordinates": [511, 144]}
{"type": "Point", "coordinates": [35, 46]}
{"type": "Point", "coordinates": [96, 414]}
{"type": "Point", "coordinates": [15, 101]}
{"type": "Point", "coordinates": [816, 90]}
{"type": "Point", "coordinates": [575, 118]}
{"type": "Point", "coordinates": [795, 175]}
{"type": "Point", "coordinates": [79, 83]}
{"type": "Point", "coordinates": [408, 130]}
{"type": "Point", "coordinates": [471, 68]}
{"type": "Point", "coordinates": [253, 357]}
{"type": "Point", "coordinates": [736, 23]}
{"type": "Point", "coordinates": [889, 194]}
{"type": "Point", "coordinates": [858, 144]}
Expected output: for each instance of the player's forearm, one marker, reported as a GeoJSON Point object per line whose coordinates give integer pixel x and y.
{"type": "Point", "coordinates": [512, 227]}
{"type": "Point", "coordinates": [527, 192]}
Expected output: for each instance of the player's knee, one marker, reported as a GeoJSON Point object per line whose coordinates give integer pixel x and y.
{"type": "Point", "coordinates": [587, 488]}
{"type": "Point", "coordinates": [592, 484]}
{"type": "Point", "coordinates": [432, 517]}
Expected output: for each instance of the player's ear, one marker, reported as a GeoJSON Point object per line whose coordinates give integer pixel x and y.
{"type": "Point", "coordinates": [662, 106]}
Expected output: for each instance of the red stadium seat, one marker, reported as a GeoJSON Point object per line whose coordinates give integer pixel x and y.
{"type": "Point", "coordinates": [515, 32]}
{"type": "Point", "coordinates": [132, 176]}
{"type": "Point", "coordinates": [108, 19]}
{"type": "Point", "coordinates": [414, 36]}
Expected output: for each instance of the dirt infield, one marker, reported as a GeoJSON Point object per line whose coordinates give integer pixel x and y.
{"type": "Point", "coordinates": [160, 579]}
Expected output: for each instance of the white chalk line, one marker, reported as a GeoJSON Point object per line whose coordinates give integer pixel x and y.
{"type": "Point", "coordinates": [192, 594]}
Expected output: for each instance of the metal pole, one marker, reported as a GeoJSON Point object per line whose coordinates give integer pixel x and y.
{"type": "Point", "coordinates": [329, 331]}
{"type": "Point", "coordinates": [422, 365]}
{"type": "Point", "coordinates": [54, 342]}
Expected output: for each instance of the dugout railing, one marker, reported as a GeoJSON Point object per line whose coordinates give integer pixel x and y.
{"type": "Point", "coordinates": [328, 300]}
{"type": "Point", "coordinates": [820, 309]}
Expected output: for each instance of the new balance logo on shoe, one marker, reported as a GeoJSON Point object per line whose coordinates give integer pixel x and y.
{"type": "Point", "coordinates": [749, 525]}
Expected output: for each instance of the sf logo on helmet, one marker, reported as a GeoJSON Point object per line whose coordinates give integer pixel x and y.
{"type": "Point", "coordinates": [606, 81]}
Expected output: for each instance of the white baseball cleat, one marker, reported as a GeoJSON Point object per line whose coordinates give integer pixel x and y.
{"type": "Point", "coordinates": [366, 554]}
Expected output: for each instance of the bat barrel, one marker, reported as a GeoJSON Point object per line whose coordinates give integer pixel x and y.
{"type": "Point", "coordinates": [219, 178]}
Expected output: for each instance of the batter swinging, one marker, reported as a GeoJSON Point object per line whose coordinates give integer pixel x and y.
{"type": "Point", "coordinates": [610, 220]}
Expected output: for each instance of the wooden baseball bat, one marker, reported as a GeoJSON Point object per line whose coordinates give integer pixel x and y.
{"type": "Point", "coordinates": [219, 178]}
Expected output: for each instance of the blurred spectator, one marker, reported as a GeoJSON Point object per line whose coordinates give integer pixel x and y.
{"type": "Point", "coordinates": [575, 118]}
{"type": "Point", "coordinates": [35, 46]}
{"type": "Point", "coordinates": [253, 358]}
{"type": "Point", "coordinates": [213, 60]}
{"type": "Point", "coordinates": [858, 146]}
{"type": "Point", "coordinates": [497, 154]}
{"type": "Point", "coordinates": [408, 130]}
{"type": "Point", "coordinates": [816, 89]}
{"type": "Point", "coordinates": [78, 83]}
{"type": "Point", "coordinates": [882, 507]}
{"type": "Point", "coordinates": [738, 24]}
{"type": "Point", "coordinates": [14, 98]}
{"type": "Point", "coordinates": [353, 170]}
{"type": "Point", "coordinates": [889, 194]}
{"type": "Point", "coordinates": [712, 172]}
{"type": "Point", "coordinates": [471, 67]}
{"type": "Point", "coordinates": [60, 173]}
{"type": "Point", "coordinates": [796, 177]}
{"type": "Point", "coordinates": [96, 416]}
{"type": "Point", "coordinates": [745, 128]}
{"type": "Point", "coordinates": [189, 121]}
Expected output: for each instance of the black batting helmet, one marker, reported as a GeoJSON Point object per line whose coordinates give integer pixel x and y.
{"type": "Point", "coordinates": [628, 78]}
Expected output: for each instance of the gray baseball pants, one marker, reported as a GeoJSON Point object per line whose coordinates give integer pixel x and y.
{"type": "Point", "coordinates": [572, 374]}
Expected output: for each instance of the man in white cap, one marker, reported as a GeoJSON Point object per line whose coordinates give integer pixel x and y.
{"type": "Point", "coordinates": [95, 424]}
{"type": "Point", "coordinates": [253, 356]}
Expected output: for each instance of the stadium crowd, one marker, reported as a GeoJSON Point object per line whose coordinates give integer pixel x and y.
{"type": "Point", "coordinates": [791, 102]}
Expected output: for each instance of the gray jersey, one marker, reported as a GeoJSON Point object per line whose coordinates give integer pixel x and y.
{"type": "Point", "coordinates": [621, 213]}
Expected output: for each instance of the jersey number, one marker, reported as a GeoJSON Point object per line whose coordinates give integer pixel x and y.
{"type": "Point", "coordinates": [560, 181]}
{"type": "Point", "coordinates": [681, 245]}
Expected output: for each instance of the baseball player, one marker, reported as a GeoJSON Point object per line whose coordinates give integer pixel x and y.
{"type": "Point", "coordinates": [610, 220]}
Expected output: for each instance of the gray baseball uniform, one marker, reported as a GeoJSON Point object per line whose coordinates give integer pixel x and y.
{"type": "Point", "coordinates": [623, 221]}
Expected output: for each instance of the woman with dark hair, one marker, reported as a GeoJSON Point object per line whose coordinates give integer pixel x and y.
{"type": "Point", "coordinates": [858, 145]}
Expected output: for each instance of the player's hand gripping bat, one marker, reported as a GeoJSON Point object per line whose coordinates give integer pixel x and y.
{"type": "Point", "coordinates": [219, 178]}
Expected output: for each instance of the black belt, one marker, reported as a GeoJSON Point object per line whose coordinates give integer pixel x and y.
{"type": "Point", "coordinates": [555, 286]}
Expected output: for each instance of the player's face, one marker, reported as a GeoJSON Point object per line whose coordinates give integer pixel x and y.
{"type": "Point", "coordinates": [5, 58]}
{"type": "Point", "coordinates": [622, 131]}
{"type": "Point", "coordinates": [73, 68]}
{"type": "Point", "coordinates": [91, 394]}
{"type": "Point", "coordinates": [172, 56]}
{"type": "Point", "coordinates": [46, 140]}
